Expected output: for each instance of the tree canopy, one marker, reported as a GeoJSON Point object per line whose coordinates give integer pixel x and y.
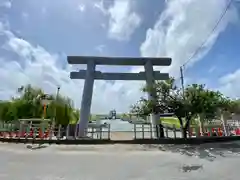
{"type": "Point", "coordinates": [195, 101]}
{"type": "Point", "coordinates": [29, 105]}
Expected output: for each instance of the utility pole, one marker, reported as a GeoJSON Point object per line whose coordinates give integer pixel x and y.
{"type": "Point", "coordinates": [58, 89]}
{"type": "Point", "coordinates": [57, 95]}
{"type": "Point", "coordinates": [182, 80]}
{"type": "Point", "coordinates": [56, 102]}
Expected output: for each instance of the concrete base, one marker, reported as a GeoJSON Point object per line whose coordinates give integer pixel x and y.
{"type": "Point", "coordinates": [200, 140]}
{"type": "Point", "coordinates": [154, 120]}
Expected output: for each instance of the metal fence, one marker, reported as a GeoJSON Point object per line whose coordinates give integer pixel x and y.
{"type": "Point", "coordinates": [139, 131]}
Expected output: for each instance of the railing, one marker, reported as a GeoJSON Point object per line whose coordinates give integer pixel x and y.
{"type": "Point", "coordinates": [8, 130]}
{"type": "Point", "coordinates": [147, 131]}
{"type": "Point", "coordinates": [139, 131]}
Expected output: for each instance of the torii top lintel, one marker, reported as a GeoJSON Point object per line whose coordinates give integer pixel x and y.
{"type": "Point", "coordinates": [121, 61]}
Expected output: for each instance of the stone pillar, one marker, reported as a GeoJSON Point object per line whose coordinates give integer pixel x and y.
{"type": "Point", "coordinates": [154, 118]}
{"type": "Point", "coordinates": [86, 98]}
{"type": "Point", "coordinates": [224, 117]}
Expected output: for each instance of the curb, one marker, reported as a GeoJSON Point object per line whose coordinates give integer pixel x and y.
{"type": "Point", "coordinates": [200, 140]}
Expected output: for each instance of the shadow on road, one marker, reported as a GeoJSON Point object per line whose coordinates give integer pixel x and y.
{"type": "Point", "coordinates": [189, 168]}
{"type": "Point", "coordinates": [36, 147]}
{"type": "Point", "coordinates": [209, 151]}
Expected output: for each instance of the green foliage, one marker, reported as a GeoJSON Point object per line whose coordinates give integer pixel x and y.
{"type": "Point", "coordinates": [203, 101]}
{"type": "Point", "coordinates": [29, 105]}
{"type": "Point", "coordinates": [196, 100]}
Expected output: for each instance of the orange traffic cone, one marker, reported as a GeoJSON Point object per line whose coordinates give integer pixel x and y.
{"type": "Point", "coordinates": [23, 133]}
{"type": "Point", "coordinates": [4, 134]}
{"type": "Point", "coordinates": [40, 133]}
{"type": "Point", "coordinates": [47, 133]}
{"type": "Point", "coordinates": [191, 132]}
{"type": "Point", "coordinates": [237, 131]}
{"type": "Point", "coordinates": [31, 132]}
{"type": "Point", "coordinates": [220, 132]}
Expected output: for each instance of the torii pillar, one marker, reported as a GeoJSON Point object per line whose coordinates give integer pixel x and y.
{"type": "Point", "coordinates": [86, 98]}
{"type": "Point", "coordinates": [150, 81]}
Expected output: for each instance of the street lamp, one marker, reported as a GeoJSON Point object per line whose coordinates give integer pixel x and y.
{"type": "Point", "coordinates": [45, 100]}
{"type": "Point", "coordinates": [58, 89]}
{"type": "Point", "coordinates": [56, 101]}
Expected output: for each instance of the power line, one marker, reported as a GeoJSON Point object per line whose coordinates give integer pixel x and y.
{"type": "Point", "coordinates": [209, 35]}
{"type": "Point", "coordinates": [203, 43]}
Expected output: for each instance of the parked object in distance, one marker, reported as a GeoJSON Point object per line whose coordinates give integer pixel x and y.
{"type": "Point", "coordinates": [112, 115]}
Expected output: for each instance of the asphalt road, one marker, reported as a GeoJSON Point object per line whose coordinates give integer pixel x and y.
{"type": "Point", "coordinates": [120, 162]}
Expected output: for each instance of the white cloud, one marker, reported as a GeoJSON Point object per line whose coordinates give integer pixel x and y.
{"type": "Point", "coordinates": [25, 15]}
{"type": "Point", "coordinates": [40, 68]}
{"type": "Point", "coordinates": [178, 32]}
{"type": "Point", "coordinates": [100, 48]}
{"type": "Point", "coordinates": [123, 21]}
{"type": "Point", "coordinates": [6, 4]}
{"type": "Point", "coordinates": [81, 7]}
{"type": "Point", "coordinates": [230, 84]}
{"type": "Point", "coordinates": [100, 6]}
{"type": "Point", "coordinates": [182, 27]}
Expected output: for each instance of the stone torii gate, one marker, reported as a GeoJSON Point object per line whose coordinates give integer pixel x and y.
{"type": "Point", "coordinates": [90, 75]}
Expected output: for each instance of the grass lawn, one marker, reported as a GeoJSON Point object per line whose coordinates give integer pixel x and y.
{"type": "Point", "coordinates": [173, 120]}
{"type": "Point", "coordinates": [170, 121]}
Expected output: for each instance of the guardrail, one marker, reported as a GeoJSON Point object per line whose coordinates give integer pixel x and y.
{"type": "Point", "coordinates": [59, 133]}
{"type": "Point", "coordinates": [139, 131]}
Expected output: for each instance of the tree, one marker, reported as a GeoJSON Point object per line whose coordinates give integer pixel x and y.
{"type": "Point", "coordinates": [176, 103]}
{"type": "Point", "coordinates": [232, 106]}
{"type": "Point", "coordinates": [29, 105]}
{"type": "Point", "coordinates": [204, 102]}
{"type": "Point", "coordinates": [145, 107]}
{"type": "Point", "coordinates": [196, 101]}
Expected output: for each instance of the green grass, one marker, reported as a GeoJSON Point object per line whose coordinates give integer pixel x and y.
{"type": "Point", "coordinates": [73, 121]}
{"type": "Point", "coordinates": [170, 121]}
{"type": "Point", "coordinates": [173, 120]}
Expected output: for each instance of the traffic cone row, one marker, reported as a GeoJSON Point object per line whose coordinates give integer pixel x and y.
{"type": "Point", "coordinates": [218, 131]}
{"type": "Point", "coordinates": [32, 133]}
{"type": "Point", "coordinates": [237, 131]}
{"type": "Point", "coordinates": [8, 134]}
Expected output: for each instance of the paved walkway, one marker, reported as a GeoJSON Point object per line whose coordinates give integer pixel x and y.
{"type": "Point", "coordinates": [118, 162]}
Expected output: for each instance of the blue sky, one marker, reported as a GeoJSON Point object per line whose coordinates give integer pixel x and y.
{"type": "Point", "coordinates": [36, 36]}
